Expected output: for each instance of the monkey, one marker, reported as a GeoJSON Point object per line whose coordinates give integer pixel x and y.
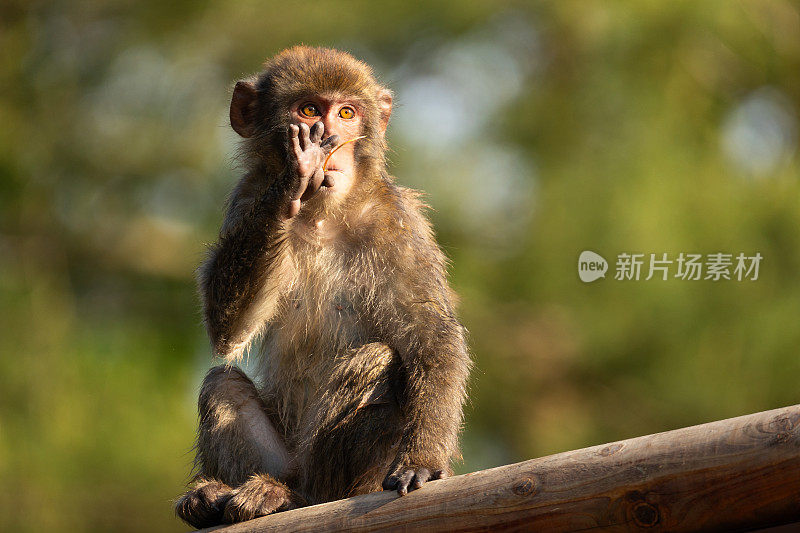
{"type": "Point", "coordinates": [330, 272]}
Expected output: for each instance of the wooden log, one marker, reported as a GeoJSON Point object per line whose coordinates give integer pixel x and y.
{"type": "Point", "coordinates": [738, 474]}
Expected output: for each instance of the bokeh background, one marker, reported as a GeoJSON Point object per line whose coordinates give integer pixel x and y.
{"type": "Point", "coordinates": [538, 130]}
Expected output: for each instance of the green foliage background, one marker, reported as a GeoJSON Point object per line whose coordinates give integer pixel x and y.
{"type": "Point", "coordinates": [557, 127]}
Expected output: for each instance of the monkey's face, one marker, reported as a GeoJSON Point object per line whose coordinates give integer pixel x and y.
{"type": "Point", "coordinates": [340, 116]}
{"type": "Point", "coordinates": [305, 85]}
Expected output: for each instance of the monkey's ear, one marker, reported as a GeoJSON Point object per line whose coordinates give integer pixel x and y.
{"type": "Point", "coordinates": [243, 107]}
{"type": "Point", "coordinates": [384, 107]}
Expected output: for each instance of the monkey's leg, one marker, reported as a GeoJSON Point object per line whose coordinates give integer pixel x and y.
{"type": "Point", "coordinates": [239, 455]}
{"type": "Point", "coordinates": [354, 425]}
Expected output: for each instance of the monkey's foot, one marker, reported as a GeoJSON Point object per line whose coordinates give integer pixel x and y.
{"type": "Point", "coordinates": [203, 505]}
{"type": "Point", "coordinates": [259, 496]}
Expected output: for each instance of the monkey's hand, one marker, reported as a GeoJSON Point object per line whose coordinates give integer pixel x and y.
{"type": "Point", "coordinates": [405, 476]}
{"type": "Point", "coordinates": [308, 152]}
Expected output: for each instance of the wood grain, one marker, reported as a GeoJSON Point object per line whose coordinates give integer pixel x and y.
{"type": "Point", "coordinates": [738, 474]}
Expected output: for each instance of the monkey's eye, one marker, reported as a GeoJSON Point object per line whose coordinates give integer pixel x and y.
{"type": "Point", "coordinates": [309, 110]}
{"type": "Point", "coordinates": [347, 112]}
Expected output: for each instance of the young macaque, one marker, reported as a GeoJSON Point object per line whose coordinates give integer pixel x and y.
{"type": "Point", "coordinates": [363, 363]}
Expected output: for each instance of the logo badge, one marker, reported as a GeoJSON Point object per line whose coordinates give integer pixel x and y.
{"type": "Point", "coordinates": [591, 266]}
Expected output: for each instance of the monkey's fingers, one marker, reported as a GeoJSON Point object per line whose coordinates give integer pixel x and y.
{"type": "Point", "coordinates": [313, 184]}
{"type": "Point", "coordinates": [305, 136]}
{"type": "Point", "coordinates": [329, 144]}
{"type": "Point", "coordinates": [294, 132]}
{"type": "Point", "coordinates": [300, 187]}
{"type": "Point", "coordinates": [316, 132]}
{"type": "Point", "coordinates": [404, 481]}
{"type": "Point", "coordinates": [422, 475]}
{"type": "Point", "coordinates": [406, 478]}
{"type": "Point", "coordinates": [295, 196]}
{"type": "Point", "coordinates": [389, 482]}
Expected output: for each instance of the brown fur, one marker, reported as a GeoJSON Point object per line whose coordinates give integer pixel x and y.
{"type": "Point", "coordinates": [363, 361]}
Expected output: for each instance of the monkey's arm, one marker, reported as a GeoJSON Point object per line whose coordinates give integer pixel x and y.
{"type": "Point", "coordinates": [436, 367]}
{"type": "Point", "coordinates": [242, 278]}
{"type": "Point", "coordinates": [431, 343]}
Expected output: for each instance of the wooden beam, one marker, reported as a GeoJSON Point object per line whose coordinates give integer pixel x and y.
{"type": "Point", "coordinates": [738, 474]}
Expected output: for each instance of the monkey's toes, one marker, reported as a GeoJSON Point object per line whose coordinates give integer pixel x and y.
{"type": "Point", "coordinates": [202, 506]}
{"type": "Point", "coordinates": [259, 496]}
